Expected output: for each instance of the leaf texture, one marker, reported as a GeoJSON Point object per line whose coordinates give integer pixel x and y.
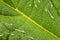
{"type": "Point", "coordinates": [29, 20]}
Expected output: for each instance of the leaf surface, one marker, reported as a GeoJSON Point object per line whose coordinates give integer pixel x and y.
{"type": "Point", "coordinates": [29, 20]}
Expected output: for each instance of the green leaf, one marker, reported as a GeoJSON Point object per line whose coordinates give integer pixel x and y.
{"type": "Point", "coordinates": [29, 20]}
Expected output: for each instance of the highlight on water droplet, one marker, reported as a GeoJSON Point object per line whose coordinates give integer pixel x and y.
{"type": "Point", "coordinates": [1, 35]}
{"type": "Point", "coordinates": [8, 24]}
{"type": "Point", "coordinates": [50, 3]}
{"type": "Point", "coordinates": [49, 13]}
{"type": "Point", "coordinates": [31, 38]}
{"type": "Point", "coordinates": [35, 5]}
{"type": "Point", "coordinates": [12, 34]}
{"type": "Point", "coordinates": [20, 30]}
{"type": "Point", "coordinates": [30, 5]}
{"type": "Point", "coordinates": [38, 1]}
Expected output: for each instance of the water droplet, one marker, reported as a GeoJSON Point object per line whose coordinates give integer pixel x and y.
{"type": "Point", "coordinates": [11, 24]}
{"type": "Point", "coordinates": [31, 38]}
{"type": "Point", "coordinates": [45, 9]}
{"type": "Point", "coordinates": [20, 30]}
{"type": "Point", "coordinates": [8, 24]}
{"type": "Point", "coordinates": [52, 17]}
{"type": "Point", "coordinates": [49, 13]}
{"type": "Point", "coordinates": [50, 3]}
{"type": "Point", "coordinates": [12, 34]}
{"type": "Point", "coordinates": [1, 35]}
{"type": "Point", "coordinates": [35, 5]}
{"type": "Point", "coordinates": [38, 1]}
{"type": "Point", "coordinates": [30, 5]}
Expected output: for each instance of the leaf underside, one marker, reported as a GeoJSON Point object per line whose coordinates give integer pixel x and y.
{"type": "Point", "coordinates": [15, 26]}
